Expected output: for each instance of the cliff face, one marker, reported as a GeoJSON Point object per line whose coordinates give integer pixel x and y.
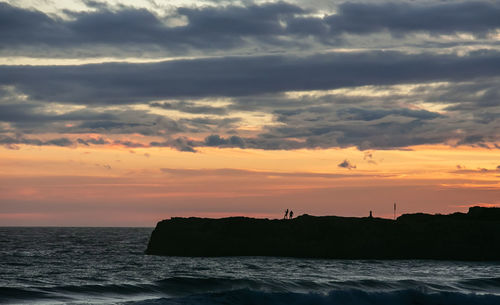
{"type": "Point", "coordinates": [459, 236]}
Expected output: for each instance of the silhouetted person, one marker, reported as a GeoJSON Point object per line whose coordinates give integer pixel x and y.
{"type": "Point", "coordinates": [291, 214]}
{"type": "Point", "coordinates": [371, 215]}
{"type": "Point", "coordinates": [286, 214]}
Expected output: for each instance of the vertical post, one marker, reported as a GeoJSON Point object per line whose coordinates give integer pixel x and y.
{"type": "Point", "coordinates": [394, 211]}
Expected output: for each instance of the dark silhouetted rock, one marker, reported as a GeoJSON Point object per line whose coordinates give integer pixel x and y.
{"type": "Point", "coordinates": [458, 236]}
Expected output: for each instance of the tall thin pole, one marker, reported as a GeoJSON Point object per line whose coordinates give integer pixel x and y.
{"type": "Point", "coordinates": [394, 211]}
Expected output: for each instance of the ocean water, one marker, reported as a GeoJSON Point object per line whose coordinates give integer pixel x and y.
{"type": "Point", "coordinates": [108, 266]}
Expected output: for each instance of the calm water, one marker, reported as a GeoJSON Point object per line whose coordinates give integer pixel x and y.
{"type": "Point", "coordinates": [107, 266]}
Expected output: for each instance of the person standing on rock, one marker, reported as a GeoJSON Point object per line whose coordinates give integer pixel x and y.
{"type": "Point", "coordinates": [291, 214]}
{"type": "Point", "coordinates": [286, 214]}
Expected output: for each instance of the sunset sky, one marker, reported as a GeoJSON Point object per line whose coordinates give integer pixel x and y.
{"type": "Point", "coordinates": [123, 113]}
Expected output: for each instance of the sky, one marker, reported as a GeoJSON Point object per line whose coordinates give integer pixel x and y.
{"type": "Point", "coordinates": [124, 113]}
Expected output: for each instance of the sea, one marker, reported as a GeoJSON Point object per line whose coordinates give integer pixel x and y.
{"type": "Point", "coordinates": [53, 265]}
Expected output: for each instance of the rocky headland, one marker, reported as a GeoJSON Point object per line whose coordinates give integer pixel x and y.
{"type": "Point", "coordinates": [460, 236]}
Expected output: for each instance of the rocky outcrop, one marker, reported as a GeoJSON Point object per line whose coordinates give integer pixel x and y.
{"type": "Point", "coordinates": [460, 236]}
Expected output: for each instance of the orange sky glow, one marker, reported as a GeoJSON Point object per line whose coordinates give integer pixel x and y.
{"type": "Point", "coordinates": [112, 186]}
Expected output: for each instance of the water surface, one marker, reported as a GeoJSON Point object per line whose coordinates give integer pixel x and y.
{"type": "Point", "coordinates": [108, 266]}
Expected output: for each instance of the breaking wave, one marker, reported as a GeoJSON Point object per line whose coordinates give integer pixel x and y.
{"type": "Point", "coordinates": [190, 290]}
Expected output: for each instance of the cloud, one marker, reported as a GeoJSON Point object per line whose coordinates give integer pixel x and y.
{"type": "Point", "coordinates": [25, 113]}
{"type": "Point", "coordinates": [105, 27]}
{"type": "Point", "coordinates": [180, 143]}
{"type": "Point", "coordinates": [231, 172]}
{"type": "Point", "coordinates": [95, 141]}
{"type": "Point", "coordinates": [368, 157]}
{"type": "Point", "coordinates": [369, 117]}
{"type": "Point", "coordinates": [190, 108]}
{"type": "Point", "coordinates": [472, 139]}
{"type": "Point", "coordinates": [6, 140]}
{"type": "Point", "coordinates": [184, 143]}
{"type": "Point", "coordinates": [106, 30]}
{"type": "Point", "coordinates": [216, 140]}
{"type": "Point", "coordinates": [386, 99]}
{"type": "Point", "coordinates": [129, 144]}
{"type": "Point", "coordinates": [59, 142]}
{"type": "Point", "coordinates": [346, 164]}
{"type": "Point", "coordinates": [477, 17]}
{"type": "Point", "coordinates": [105, 166]}
{"type": "Point", "coordinates": [262, 141]}
{"type": "Point", "coordinates": [241, 76]}
{"type": "Point", "coordinates": [31, 116]}
{"type": "Point", "coordinates": [481, 170]}
{"type": "Point", "coordinates": [376, 114]}
{"type": "Point", "coordinates": [323, 132]}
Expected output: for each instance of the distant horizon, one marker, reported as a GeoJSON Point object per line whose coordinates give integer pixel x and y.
{"type": "Point", "coordinates": [222, 217]}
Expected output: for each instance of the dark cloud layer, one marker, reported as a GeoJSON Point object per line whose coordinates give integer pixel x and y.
{"type": "Point", "coordinates": [206, 28]}
{"type": "Point", "coordinates": [119, 83]}
{"type": "Point", "coordinates": [371, 115]}
{"type": "Point", "coordinates": [190, 108]}
{"type": "Point", "coordinates": [98, 141]}
{"type": "Point", "coordinates": [30, 113]}
{"type": "Point", "coordinates": [455, 99]}
{"type": "Point", "coordinates": [477, 17]}
{"type": "Point", "coordinates": [12, 141]}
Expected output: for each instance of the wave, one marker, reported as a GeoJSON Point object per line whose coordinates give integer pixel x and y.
{"type": "Point", "coordinates": [225, 290]}
{"type": "Point", "coordinates": [481, 284]}
{"type": "Point", "coordinates": [344, 297]}
{"type": "Point", "coordinates": [11, 293]}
